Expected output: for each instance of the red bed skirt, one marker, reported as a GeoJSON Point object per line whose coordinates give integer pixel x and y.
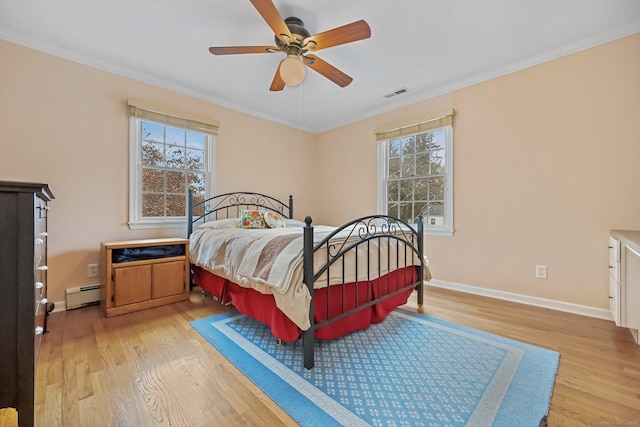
{"type": "Point", "coordinates": [263, 308]}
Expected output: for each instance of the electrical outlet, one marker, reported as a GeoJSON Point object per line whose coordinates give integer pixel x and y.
{"type": "Point", "coordinates": [92, 270]}
{"type": "Point", "coordinates": [541, 271]}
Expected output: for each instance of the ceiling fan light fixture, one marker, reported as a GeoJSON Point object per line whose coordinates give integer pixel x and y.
{"type": "Point", "coordinates": [292, 70]}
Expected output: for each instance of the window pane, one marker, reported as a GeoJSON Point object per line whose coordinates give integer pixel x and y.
{"type": "Point", "coordinates": [408, 145]}
{"type": "Point", "coordinates": [176, 136]}
{"type": "Point", "coordinates": [392, 209]}
{"type": "Point", "coordinates": [437, 140]}
{"type": "Point", "coordinates": [394, 167]}
{"type": "Point", "coordinates": [406, 189]}
{"type": "Point", "coordinates": [176, 182]}
{"type": "Point", "coordinates": [197, 185]}
{"type": "Point", "coordinates": [176, 205]}
{"type": "Point", "coordinates": [408, 166]}
{"type": "Point", "coordinates": [406, 212]}
{"type": "Point", "coordinates": [436, 213]}
{"type": "Point", "coordinates": [152, 132]}
{"type": "Point", "coordinates": [392, 191]}
{"type": "Point", "coordinates": [420, 189]}
{"type": "Point", "coordinates": [152, 154]}
{"type": "Point", "coordinates": [195, 160]}
{"type": "Point", "coordinates": [436, 188]}
{"type": "Point", "coordinates": [195, 140]}
{"type": "Point", "coordinates": [175, 157]}
{"type": "Point", "coordinates": [152, 205]}
{"type": "Point", "coordinates": [198, 210]}
{"type": "Point", "coordinates": [419, 208]}
{"type": "Point", "coordinates": [422, 142]}
{"type": "Point", "coordinates": [395, 148]}
{"type": "Point", "coordinates": [422, 164]}
{"type": "Point", "coordinates": [437, 161]}
{"type": "Point", "coordinates": [152, 180]}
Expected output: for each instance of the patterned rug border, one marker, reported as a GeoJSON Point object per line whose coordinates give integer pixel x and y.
{"type": "Point", "coordinates": [516, 404]}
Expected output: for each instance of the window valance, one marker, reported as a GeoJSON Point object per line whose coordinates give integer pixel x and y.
{"type": "Point", "coordinates": [417, 125]}
{"type": "Point", "coordinates": [147, 111]}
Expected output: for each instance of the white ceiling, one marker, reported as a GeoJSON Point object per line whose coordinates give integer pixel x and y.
{"type": "Point", "coordinates": [429, 47]}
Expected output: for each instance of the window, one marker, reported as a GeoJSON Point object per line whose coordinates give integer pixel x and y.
{"type": "Point", "coordinates": [168, 156]}
{"type": "Point", "coordinates": [415, 172]}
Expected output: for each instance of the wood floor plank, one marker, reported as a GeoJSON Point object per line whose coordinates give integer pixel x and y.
{"type": "Point", "coordinates": [150, 368]}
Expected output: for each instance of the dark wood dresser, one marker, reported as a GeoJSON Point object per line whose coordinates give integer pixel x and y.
{"type": "Point", "coordinates": [23, 291]}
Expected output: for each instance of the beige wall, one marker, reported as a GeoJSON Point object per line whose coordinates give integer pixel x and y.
{"type": "Point", "coordinates": [547, 161]}
{"type": "Point", "coordinates": [545, 164]}
{"type": "Point", "coordinates": [67, 125]}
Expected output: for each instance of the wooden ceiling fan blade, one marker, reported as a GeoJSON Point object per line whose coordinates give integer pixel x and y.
{"type": "Point", "coordinates": [346, 34]}
{"type": "Point", "coordinates": [232, 50]}
{"type": "Point", "coordinates": [269, 13]}
{"type": "Point", "coordinates": [327, 70]}
{"type": "Point", "coordinates": [277, 84]}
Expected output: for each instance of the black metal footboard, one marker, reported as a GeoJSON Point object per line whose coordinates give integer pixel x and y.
{"type": "Point", "coordinates": [361, 238]}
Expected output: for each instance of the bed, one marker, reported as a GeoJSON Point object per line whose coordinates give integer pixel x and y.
{"type": "Point", "coordinates": [302, 280]}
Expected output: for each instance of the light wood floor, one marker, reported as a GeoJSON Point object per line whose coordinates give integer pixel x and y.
{"type": "Point", "coordinates": [151, 368]}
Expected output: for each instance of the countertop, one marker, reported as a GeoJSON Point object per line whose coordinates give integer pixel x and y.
{"type": "Point", "coordinates": [630, 238]}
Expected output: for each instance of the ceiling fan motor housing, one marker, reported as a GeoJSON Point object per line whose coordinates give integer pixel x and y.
{"type": "Point", "coordinates": [299, 33]}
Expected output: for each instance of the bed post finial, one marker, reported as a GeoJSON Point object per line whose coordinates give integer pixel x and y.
{"type": "Point", "coordinates": [290, 206]}
{"type": "Point", "coordinates": [308, 220]}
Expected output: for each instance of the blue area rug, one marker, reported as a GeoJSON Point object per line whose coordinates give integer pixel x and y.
{"type": "Point", "coordinates": [410, 370]}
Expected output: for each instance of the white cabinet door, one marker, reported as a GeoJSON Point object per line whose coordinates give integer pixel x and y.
{"type": "Point", "coordinates": [631, 284]}
{"type": "Point", "coordinates": [614, 300]}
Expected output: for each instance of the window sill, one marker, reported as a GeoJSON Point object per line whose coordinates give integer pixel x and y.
{"type": "Point", "coordinates": [438, 231]}
{"type": "Point", "coordinates": [164, 223]}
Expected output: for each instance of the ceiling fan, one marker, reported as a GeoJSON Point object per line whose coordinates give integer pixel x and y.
{"type": "Point", "coordinates": [292, 38]}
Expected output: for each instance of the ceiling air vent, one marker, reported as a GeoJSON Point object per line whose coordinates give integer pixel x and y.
{"type": "Point", "coordinates": [397, 92]}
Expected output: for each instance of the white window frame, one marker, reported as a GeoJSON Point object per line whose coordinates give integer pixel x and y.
{"type": "Point", "coordinates": [446, 229]}
{"type": "Point", "coordinates": [136, 220]}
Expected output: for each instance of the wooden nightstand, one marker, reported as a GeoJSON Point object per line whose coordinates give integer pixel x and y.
{"type": "Point", "coordinates": [140, 274]}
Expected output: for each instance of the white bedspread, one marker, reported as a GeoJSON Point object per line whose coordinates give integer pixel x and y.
{"type": "Point", "coordinates": [270, 261]}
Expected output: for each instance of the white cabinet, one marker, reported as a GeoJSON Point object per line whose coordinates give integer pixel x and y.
{"type": "Point", "coordinates": [624, 279]}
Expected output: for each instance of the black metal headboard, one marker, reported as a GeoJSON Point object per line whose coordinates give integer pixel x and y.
{"type": "Point", "coordinates": [229, 205]}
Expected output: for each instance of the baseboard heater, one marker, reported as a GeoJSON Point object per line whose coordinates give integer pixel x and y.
{"type": "Point", "coordinates": [83, 296]}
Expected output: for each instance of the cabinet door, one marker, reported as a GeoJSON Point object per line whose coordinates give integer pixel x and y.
{"type": "Point", "coordinates": [168, 279]}
{"type": "Point", "coordinates": [632, 288]}
{"type": "Point", "coordinates": [132, 284]}
{"type": "Point", "coordinates": [614, 300]}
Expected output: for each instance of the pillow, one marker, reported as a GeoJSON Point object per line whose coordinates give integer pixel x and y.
{"type": "Point", "coordinates": [251, 219]}
{"type": "Point", "coordinates": [293, 223]}
{"type": "Point", "coordinates": [273, 219]}
{"type": "Point", "coordinates": [218, 224]}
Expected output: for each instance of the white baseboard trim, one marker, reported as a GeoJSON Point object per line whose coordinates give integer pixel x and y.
{"type": "Point", "coordinates": [583, 310]}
